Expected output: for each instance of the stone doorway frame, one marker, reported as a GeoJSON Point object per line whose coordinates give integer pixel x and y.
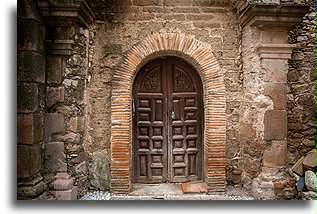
{"type": "Point", "coordinates": [200, 56]}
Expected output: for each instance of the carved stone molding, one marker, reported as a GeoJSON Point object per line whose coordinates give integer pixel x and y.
{"type": "Point", "coordinates": [66, 13]}
{"type": "Point", "coordinates": [268, 16]}
{"type": "Point", "coordinates": [275, 51]}
{"type": "Point", "coordinates": [60, 47]}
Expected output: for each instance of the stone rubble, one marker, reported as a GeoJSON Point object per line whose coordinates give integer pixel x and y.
{"type": "Point", "coordinates": [304, 173]}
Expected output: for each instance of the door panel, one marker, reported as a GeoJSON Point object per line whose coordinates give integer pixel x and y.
{"type": "Point", "coordinates": [167, 123]}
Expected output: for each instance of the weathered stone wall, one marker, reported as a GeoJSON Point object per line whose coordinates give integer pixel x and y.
{"type": "Point", "coordinates": [30, 100]}
{"type": "Point", "coordinates": [123, 23]}
{"type": "Point", "coordinates": [301, 94]}
{"type": "Point", "coordinates": [263, 123]}
{"type": "Point", "coordinates": [64, 91]}
{"type": "Point", "coordinates": [65, 105]}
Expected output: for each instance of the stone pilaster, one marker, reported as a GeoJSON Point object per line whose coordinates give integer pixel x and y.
{"type": "Point", "coordinates": [31, 78]}
{"type": "Point", "coordinates": [265, 58]}
{"type": "Point", "coordinates": [66, 70]}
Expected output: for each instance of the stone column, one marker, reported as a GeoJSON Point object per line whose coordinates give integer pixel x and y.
{"type": "Point", "coordinates": [265, 58]}
{"type": "Point", "coordinates": [30, 100]}
{"type": "Point", "coordinates": [67, 66]}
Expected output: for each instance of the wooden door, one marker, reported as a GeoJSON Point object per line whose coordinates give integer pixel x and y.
{"type": "Point", "coordinates": [167, 122]}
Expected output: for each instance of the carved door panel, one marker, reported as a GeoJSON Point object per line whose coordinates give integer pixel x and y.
{"type": "Point", "coordinates": [185, 130]}
{"type": "Point", "coordinates": [167, 123]}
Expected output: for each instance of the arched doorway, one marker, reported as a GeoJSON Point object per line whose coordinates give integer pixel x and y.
{"type": "Point", "coordinates": [200, 56]}
{"type": "Point", "coordinates": [167, 122]}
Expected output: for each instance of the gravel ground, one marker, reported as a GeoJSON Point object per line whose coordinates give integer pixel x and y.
{"type": "Point", "coordinates": [101, 195]}
{"type": "Point", "coordinates": [96, 195]}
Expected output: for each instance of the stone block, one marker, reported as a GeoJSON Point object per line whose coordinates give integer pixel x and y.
{"type": "Point", "coordinates": [55, 157]}
{"type": "Point", "coordinates": [177, 17]}
{"type": "Point", "coordinates": [252, 166]}
{"type": "Point", "coordinates": [29, 128]}
{"type": "Point", "coordinates": [275, 70]}
{"type": "Point", "coordinates": [25, 128]}
{"type": "Point", "coordinates": [31, 35]}
{"type": "Point", "coordinates": [29, 160]}
{"type": "Point", "coordinates": [31, 66]}
{"type": "Point", "coordinates": [54, 123]}
{"type": "Point", "coordinates": [55, 70]}
{"type": "Point", "coordinates": [146, 2]}
{"type": "Point", "coordinates": [141, 17]}
{"type": "Point", "coordinates": [27, 97]}
{"type": "Point", "coordinates": [195, 17]}
{"type": "Point", "coordinates": [67, 194]}
{"type": "Point", "coordinates": [275, 155]}
{"type": "Point", "coordinates": [310, 180]}
{"type": "Point", "coordinates": [81, 168]}
{"type": "Point", "coordinates": [275, 125]}
{"type": "Point", "coordinates": [63, 184]}
{"type": "Point", "coordinates": [203, 24]}
{"type": "Point", "coordinates": [186, 10]}
{"type": "Point", "coordinates": [54, 95]}
{"type": "Point", "coordinates": [62, 175]}
{"type": "Point", "coordinates": [247, 130]}
{"type": "Point", "coordinates": [99, 170]}
{"type": "Point", "coordinates": [178, 3]}
{"type": "Point", "coordinates": [300, 184]}
{"type": "Point", "coordinates": [73, 124]}
{"type": "Point", "coordinates": [298, 166]}
{"type": "Point", "coordinates": [31, 188]}
{"type": "Point", "coordinates": [309, 162]}
{"type": "Point", "coordinates": [69, 137]}
{"type": "Point", "coordinates": [277, 92]}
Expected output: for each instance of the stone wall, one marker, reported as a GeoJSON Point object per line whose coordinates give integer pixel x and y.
{"type": "Point", "coordinates": [301, 92]}
{"type": "Point", "coordinates": [65, 105]}
{"type": "Point", "coordinates": [30, 101]}
{"type": "Point", "coordinates": [64, 90]}
{"type": "Point", "coordinates": [123, 23]}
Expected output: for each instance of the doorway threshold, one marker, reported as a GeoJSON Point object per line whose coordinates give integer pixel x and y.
{"type": "Point", "coordinates": [171, 191]}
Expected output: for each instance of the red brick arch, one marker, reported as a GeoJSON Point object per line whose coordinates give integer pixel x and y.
{"type": "Point", "coordinates": [201, 57]}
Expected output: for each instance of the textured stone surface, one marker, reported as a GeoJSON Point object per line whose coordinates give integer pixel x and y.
{"type": "Point", "coordinates": [54, 123]}
{"type": "Point", "coordinates": [99, 170]}
{"type": "Point", "coordinates": [298, 166]}
{"type": "Point", "coordinates": [310, 180]}
{"type": "Point", "coordinates": [54, 95]}
{"type": "Point", "coordinates": [275, 125]}
{"type": "Point", "coordinates": [275, 155]}
{"type": "Point", "coordinates": [29, 160]}
{"type": "Point", "coordinates": [31, 188]}
{"type": "Point", "coordinates": [67, 194]}
{"type": "Point", "coordinates": [277, 92]}
{"type": "Point", "coordinates": [309, 162]}
{"type": "Point", "coordinates": [63, 184]}
{"type": "Point", "coordinates": [30, 128]}
{"type": "Point", "coordinates": [301, 94]}
{"type": "Point", "coordinates": [55, 157]}
{"type": "Point", "coordinates": [28, 97]}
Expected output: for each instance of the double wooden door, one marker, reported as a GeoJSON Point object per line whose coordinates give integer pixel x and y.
{"type": "Point", "coordinates": [167, 122]}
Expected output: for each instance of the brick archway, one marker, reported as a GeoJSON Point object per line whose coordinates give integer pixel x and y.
{"type": "Point", "coordinates": [200, 56]}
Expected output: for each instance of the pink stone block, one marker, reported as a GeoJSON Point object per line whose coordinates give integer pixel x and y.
{"type": "Point", "coordinates": [67, 194]}
{"type": "Point", "coordinates": [63, 184]}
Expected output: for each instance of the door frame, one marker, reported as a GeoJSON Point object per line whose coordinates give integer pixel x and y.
{"type": "Point", "coordinates": [168, 108]}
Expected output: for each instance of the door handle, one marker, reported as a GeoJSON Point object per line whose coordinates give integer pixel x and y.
{"type": "Point", "coordinates": [173, 115]}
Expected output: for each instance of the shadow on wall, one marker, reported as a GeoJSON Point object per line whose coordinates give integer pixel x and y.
{"type": "Point", "coordinates": [109, 10]}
